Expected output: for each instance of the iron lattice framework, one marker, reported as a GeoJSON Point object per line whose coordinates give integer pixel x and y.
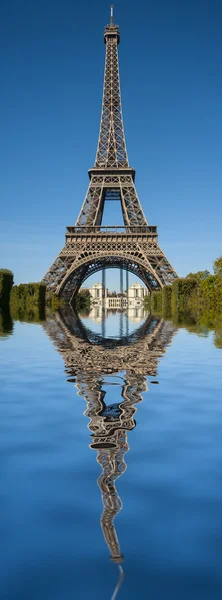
{"type": "Point", "coordinates": [90, 247]}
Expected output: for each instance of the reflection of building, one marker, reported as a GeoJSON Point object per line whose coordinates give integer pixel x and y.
{"type": "Point", "coordinates": [135, 314]}
{"type": "Point", "coordinates": [134, 298]}
{"type": "Point", "coordinates": [96, 314]}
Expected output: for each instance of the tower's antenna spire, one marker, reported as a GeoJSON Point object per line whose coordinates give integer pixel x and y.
{"type": "Point", "coordinates": [111, 14]}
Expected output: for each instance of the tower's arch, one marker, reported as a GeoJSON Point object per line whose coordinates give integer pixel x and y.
{"type": "Point", "coordinates": [79, 272]}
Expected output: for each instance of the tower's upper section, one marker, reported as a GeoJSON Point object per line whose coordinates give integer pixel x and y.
{"type": "Point", "coordinates": [111, 152]}
{"type": "Point", "coordinates": [111, 30]}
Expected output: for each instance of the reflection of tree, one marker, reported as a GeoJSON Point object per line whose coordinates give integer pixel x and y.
{"type": "Point", "coordinates": [201, 323]}
{"type": "Point", "coordinates": [218, 332]}
{"type": "Point", "coordinates": [6, 323]}
{"type": "Point", "coordinates": [28, 315]}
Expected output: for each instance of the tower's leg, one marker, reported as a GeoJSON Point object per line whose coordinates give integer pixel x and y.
{"type": "Point", "coordinates": [121, 285]}
{"type": "Point", "coordinates": [127, 281]}
{"type": "Point", "coordinates": [103, 302]}
{"type": "Point", "coordinates": [127, 286]}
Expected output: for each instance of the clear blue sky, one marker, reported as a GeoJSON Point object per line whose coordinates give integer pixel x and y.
{"type": "Point", "coordinates": [50, 104]}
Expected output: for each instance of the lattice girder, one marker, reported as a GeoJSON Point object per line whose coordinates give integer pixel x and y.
{"type": "Point", "coordinates": [110, 178]}
{"type": "Point", "coordinates": [92, 210]}
{"type": "Point", "coordinates": [111, 150]}
{"type": "Point", "coordinates": [87, 254]}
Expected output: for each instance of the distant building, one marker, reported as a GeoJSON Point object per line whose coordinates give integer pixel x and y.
{"type": "Point", "coordinates": [116, 302]}
{"type": "Point", "coordinates": [98, 292]}
{"type": "Point", "coordinates": [136, 294]}
{"type": "Point", "coordinates": [134, 298]}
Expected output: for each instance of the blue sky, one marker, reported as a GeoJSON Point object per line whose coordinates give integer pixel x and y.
{"type": "Point", "coordinates": [50, 104]}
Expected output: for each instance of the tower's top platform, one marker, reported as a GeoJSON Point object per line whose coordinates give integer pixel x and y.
{"type": "Point", "coordinates": [111, 30]}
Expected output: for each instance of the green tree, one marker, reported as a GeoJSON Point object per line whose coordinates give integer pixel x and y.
{"type": "Point", "coordinates": [85, 293]}
{"type": "Point", "coordinates": [200, 275]}
{"type": "Point", "coordinates": [6, 283]}
{"type": "Point", "coordinates": [82, 300]}
{"type": "Point", "coordinates": [217, 267]}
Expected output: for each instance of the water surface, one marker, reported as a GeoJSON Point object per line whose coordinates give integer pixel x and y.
{"type": "Point", "coordinates": [110, 448]}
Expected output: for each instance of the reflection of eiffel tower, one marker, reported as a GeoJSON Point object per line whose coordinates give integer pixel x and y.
{"type": "Point", "coordinates": [84, 351]}
{"type": "Point", "coordinates": [109, 425]}
{"type": "Point", "coordinates": [86, 364]}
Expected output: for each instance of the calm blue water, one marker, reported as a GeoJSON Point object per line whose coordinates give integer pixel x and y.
{"type": "Point", "coordinates": [157, 459]}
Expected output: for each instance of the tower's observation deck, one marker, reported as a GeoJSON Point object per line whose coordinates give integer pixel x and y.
{"type": "Point", "coordinates": [112, 33]}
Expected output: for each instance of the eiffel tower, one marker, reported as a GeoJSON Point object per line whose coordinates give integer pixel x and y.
{"type": "Point", "coordinates": [89, 246]}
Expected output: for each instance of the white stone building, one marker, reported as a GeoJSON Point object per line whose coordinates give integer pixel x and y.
{"type": "Point", "coordinates": [136, 294]}
{"type": "Point", "coordinates": [98, 292]}
{"type": "Point", "coordinates": [134, 298]}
